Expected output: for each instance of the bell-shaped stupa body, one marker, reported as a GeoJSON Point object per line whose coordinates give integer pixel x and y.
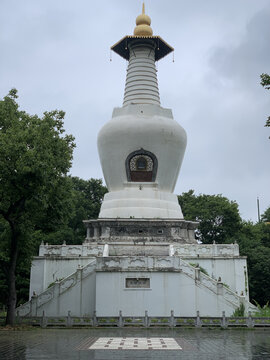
{"type": "Point", "coordinates": [142, 147]}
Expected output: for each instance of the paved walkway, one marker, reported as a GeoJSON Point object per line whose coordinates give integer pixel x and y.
{"type": "Point", "coordinates": [82, 344]}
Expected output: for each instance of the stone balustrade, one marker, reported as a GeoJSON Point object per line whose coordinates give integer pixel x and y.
{"type": "Point", "coordinates": [124, 248]}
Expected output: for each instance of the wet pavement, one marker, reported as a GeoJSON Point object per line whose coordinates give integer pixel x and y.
{"type": "Point", "coordinates": [54, 344]}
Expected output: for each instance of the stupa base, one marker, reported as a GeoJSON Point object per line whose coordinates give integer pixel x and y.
{"type": "Point", "coordinates": [141, 231]}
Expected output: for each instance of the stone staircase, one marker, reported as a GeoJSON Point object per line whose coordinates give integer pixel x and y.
{"type": "Point", "coordinates": [217, 287]}
{"type": "Point", "coordinates": [54, 294]}
{"type": "Point", "coordinates": [75, 292]}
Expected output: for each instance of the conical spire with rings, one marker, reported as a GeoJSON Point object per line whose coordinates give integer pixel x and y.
{"type": "Point", "coordinates": [141, 81]}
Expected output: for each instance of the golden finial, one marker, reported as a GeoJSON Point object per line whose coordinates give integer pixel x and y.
{"type": "Point", "coordinates": [143, 23]}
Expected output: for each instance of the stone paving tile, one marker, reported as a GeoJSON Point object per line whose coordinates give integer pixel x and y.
{"type": "Point", "coordinates": [203, 344]}
{"type": "Point", "coordinates": [131, 343]}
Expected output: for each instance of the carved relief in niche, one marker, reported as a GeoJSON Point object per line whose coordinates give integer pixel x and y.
{"type": "Point", "coordinates": [141, 166]}
{"type": "Point", "coordinates": [141, 162]}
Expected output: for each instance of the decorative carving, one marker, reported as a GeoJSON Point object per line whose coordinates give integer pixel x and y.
{"type": "Point", "coordinates": [230, 296]}
{"type": "Point", "coordinates": [188, 269]}
{"type": "Point", "coordinates": [44, 298]}
{"type": "Point", "coordinates": [209, 283]}
{"type": "Point", "coordinates": [225, 250]}
{"type": "Point", "coordinates": [74, 250]}
{"type": "Point", "coordinates": [175, 231]}
{"type": "Point", "coordinates": [53, 250]}
{"type": "Point", "coordinates": [134, 166]}
{"type": "Point", "coordinates": [112, 263]}
{"type": "Point", "coordinates": [137, 263]}
{"type": "Point", "coordinates": [88, 269]}
{"type": "Point", "coordinates": [24, 309]}
{"type": "Point", "coordinates": [66, 284]}
{"type": "Point", "coordinates": [141, 166]}
{"type": "Point", "coordinates": [205, 250]}
{"type": "Point", "coordinates": [163, 263]}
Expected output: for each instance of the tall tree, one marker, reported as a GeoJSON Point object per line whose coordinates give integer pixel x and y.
{"type": "Point", "coordinates": [218, 217]}
{"type": "Point", "coordinates": [86, 198]}
{"type": "Point", "coordinates": [254, 242]}
{"type": "Point", "coordinates": [35, 156]}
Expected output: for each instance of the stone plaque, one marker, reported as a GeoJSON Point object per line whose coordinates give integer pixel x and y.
{"type": "Point", "coordinates": [137, 283]}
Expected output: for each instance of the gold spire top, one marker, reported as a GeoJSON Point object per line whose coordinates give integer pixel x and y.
{"type": "Point", "coordinates": [143, 23]}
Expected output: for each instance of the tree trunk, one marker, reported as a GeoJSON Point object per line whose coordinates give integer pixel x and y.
{"type": "Point", "coordinates": [12, 296]}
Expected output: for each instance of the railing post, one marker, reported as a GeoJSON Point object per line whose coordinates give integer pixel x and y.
{"type": "Point", "coordinates": [219, 287]}
{"type": "Point", "coordinates": [69, 320]}
{"type": "Point", "coordinates": [95, 323]}
{"type": "Point", "coordinates": [224, 321]}
{"type": "Point", "coordinates": [198, 320]}
{"type": "Point", "coordinates": [33, 305]}
{"type": "Point", "coordinates": [146, 318]}
{"type": "Point", "coordinates": [197, 273]}
{"type": "Point", "coordinates": [18, 318]}
{"type": "Point", "coordinates": [43, 320]}
{"type": "Point", "coordinates": [172, 324]}
{"type": "Point", "coordinates": [250, 323]}
{"type": "Point", "coordinates": [120, 321]}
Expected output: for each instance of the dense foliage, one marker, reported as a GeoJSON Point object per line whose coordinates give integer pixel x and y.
{"type": "Point", "coordinates": [84, 201]}
{"type": "Point", "coordinates": [35, 156]}
{"type": "Point", "coordinates": [254, 242]}
{"type": "Point", "coordinates": [220, 222]}
{"type": "Point", "coordinates": [219, 218]}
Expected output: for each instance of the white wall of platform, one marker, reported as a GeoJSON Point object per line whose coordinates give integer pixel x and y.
{"type": "Point", "coordinates": [84, 282]}
{"type": "Point", "coordinates": [168, 291]}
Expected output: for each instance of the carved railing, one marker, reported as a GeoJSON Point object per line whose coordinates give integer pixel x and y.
{"type": "Point", "coordinates": [142, 321]}
{"type": "Point", "coordinates": [70, 250]}
{"type": "Point", "coordinates": [217, 287]}
{"type": "Point", "coordinates": [57, 289]}
{"type": "Point", "coordinates": [213, 250]}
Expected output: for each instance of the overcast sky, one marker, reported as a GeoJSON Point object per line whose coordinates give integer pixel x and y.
{"type": "Point", "coordinates": [56, 53]}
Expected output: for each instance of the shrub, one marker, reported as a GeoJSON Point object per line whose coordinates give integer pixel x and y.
{"type": "Point", "coordinates": [239, 312]}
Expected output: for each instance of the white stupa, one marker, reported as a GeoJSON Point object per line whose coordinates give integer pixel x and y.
{"type": "Point", "coordinates": [140, 254]}
{"type": "Point", "coordinates": [142, 147]}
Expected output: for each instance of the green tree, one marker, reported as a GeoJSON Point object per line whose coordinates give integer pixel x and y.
{"type": "Point", "coordinates": [219, 221]}
{"type": "Point", "coordinates": [86, 198]}
{"type": "Point", "coordinates": [35, 156]}
{"type": "Point", "coordinates": [265, 82]}
{"type": "Point", "coordinates": [254, 242]}
{"type": "Point", "coordinates": [218, 217]}
{"type": "Point", "coordinates": [266, 215]}
{"type": "Point", "coordinates": [83, 203]}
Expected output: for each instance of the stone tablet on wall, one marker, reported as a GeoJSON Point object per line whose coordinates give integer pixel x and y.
{"type": "Point", "coordinates": [137, 283]}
